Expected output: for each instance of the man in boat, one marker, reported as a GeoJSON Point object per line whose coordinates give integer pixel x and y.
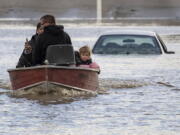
{"type": "Point", "coordinates": [25, 59]}
{"type": "Point", "coordinates": [52, 35]}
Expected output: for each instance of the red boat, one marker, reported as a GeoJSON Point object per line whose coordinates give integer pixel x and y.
{"type": "Point", "coordinates": [67, 80]}
{"type": "Point", "coordinates": [50, 77]}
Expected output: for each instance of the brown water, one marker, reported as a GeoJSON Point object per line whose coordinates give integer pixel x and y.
{"type": "Point", "coordinates": [141, 96]}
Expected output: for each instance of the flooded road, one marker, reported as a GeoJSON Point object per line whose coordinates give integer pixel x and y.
{"type": "Point", "coordinates": [143, 91]}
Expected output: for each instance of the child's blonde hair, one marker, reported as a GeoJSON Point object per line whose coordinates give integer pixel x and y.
{"type": "Point", "coordinates": [85, 49]}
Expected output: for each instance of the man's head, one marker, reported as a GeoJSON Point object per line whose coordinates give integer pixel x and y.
{"type": "Point", "coordinates": [39, 28]}
{"type": "Point", "coordinates": [85, 53]}
{"type": "Point", "coordinates": [47, 20]}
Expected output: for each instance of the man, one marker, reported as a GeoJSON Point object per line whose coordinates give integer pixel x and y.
{"type": "Point", "coordinates": [25, 59]}
{"type": "Point", "coordinates": [52, 35]}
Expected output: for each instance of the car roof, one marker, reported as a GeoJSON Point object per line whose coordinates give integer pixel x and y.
{"type": "Point", "coordinates": [131, 32]}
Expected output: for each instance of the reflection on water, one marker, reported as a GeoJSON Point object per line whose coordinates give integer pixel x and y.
{"type": "Point", "coordinates": [139, 93]}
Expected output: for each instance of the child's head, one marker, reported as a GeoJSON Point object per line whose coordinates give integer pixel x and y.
{"type": "Point", "coordinates": [85, 53]}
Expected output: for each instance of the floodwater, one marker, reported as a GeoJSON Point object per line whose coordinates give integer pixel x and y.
{"type": "Point", "coordinates": [142, 97]}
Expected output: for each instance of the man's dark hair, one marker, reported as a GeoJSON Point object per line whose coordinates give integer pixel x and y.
{"type": "Point", "coordinates": [48, 19]}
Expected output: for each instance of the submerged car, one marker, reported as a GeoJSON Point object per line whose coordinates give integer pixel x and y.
{"type": "Point", "coordinates": [130, 42]}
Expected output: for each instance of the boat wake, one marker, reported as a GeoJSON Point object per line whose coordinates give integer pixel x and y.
{"type": "Point", "coordinates": [66, 95]}
{"type": "Point", "coordinates": [5, 85]}
{"type": "Point", "coordinates": [53, 95]}
{"type": "Point", "coordinates": [111, 83]}
{"type": "Point", "coordinates": [46, 98]}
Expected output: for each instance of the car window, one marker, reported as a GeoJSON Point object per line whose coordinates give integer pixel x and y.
{"type": "Point", "coordinates": [127, 44]}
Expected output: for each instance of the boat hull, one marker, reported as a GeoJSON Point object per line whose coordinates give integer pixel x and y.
{"type": "Point", "coordinates": [60, 76]}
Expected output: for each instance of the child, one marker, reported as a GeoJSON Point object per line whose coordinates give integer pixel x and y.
{"type": "Point", "coordinates": [83, 58]}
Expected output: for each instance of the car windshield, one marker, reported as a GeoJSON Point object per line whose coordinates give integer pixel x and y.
{"type": "Point", "coordinates": [127, 44]}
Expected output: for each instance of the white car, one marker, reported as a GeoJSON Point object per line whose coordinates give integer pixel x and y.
{"type": "Point", "coordinates": [130, 42]}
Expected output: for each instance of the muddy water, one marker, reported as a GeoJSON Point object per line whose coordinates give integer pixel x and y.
{"type": "Point", "coordinates": [142, 92]}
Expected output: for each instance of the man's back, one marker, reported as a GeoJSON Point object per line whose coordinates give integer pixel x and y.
{"type": "Point", "coordinates": [52, 35]}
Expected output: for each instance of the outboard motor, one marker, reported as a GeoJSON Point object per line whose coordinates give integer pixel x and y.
{"type": "Point", "coordinates": [60, 55]}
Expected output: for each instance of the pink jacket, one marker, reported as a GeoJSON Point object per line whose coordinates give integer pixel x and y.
{"type": "Point", "coordinates": [92, 65]}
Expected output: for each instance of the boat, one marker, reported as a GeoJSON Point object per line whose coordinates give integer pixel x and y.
{"type": "Point", "coordinates": [58, 75]}
{"type": "Point", "coordinates": [50, 78]}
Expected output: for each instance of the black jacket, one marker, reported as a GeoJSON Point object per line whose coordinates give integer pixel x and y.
{"type": "Point", "coordinates": [25, 60]}
{"type": "Point", "coordinates": [52, 35]}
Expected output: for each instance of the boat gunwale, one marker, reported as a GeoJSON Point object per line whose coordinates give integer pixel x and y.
{"type": "Point", "coordinates": [53, 66]}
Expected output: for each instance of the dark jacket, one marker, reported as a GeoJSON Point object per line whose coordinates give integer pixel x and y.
{"type": "Point", "coordinates": [52, 35]}
{"type": "Point", "coordinates": [79, 61]}
{"type": "Point", "coordinates": [25, 60]}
